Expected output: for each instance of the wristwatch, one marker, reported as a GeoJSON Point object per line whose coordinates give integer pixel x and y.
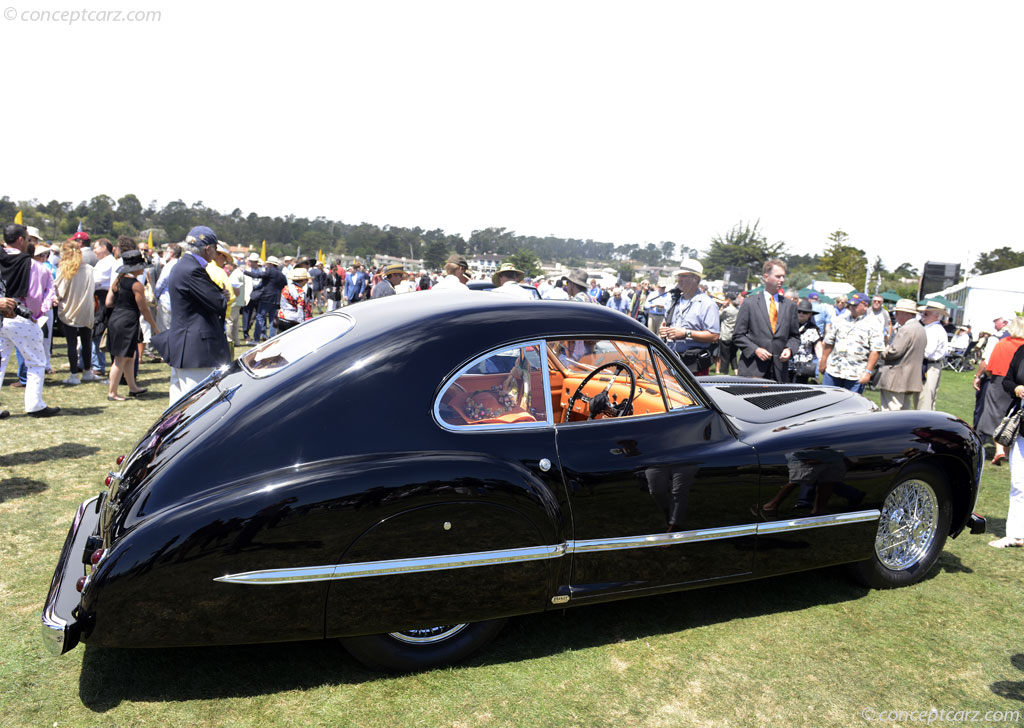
{"type": "Point", "coordinates": [689, 335]}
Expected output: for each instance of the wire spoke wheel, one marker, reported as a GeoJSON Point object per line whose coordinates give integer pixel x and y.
{"type": "Point", "coordinates": [428, 634]}
{"type": "Point", "coordinates": [908, 525]}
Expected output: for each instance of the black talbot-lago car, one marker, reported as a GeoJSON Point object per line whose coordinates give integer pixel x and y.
{"type": "Point", "coordinates": [407, 473]}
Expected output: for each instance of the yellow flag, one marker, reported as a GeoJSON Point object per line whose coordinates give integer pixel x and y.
{"type": "Point", "coordinates": [263, 252]}
{"type": "Point", "coordinates": [320, 256]}
{"type": "Point", "coordinates": [17, 219]}
{"type": "Point", "coordinates": [149, 242]}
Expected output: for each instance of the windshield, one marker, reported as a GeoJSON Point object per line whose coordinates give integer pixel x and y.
{"type": "Point", "coordinates": [275, 354]}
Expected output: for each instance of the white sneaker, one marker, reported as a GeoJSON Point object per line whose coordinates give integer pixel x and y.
{"type": "Point", "coordinates": [90, 377]}
{"type": "Point", "coordinates": [72, 380]}
{"type": "Point", "coordinates": [1007, 542]}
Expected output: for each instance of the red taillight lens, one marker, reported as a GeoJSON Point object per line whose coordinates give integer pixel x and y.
{"type": "Point", "coordinates": [80, 584]}
{"type": "Point", "coordinates": [96, 556]}
{"type": "Point", "coordinates": [108, 480]}
{"type": "Point", "coordinates": [120, 459]}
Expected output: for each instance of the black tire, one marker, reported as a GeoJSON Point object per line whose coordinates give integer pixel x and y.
{"type": "Point", "coordinates": [422, 649]}
{"type": "Point", "coordinates": [911, 532]}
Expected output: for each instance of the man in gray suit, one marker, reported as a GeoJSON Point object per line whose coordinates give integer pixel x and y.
{"type": "Point", "coordinates": [900, 378]}
{"type": "Point", "coordinates": [767, 329]}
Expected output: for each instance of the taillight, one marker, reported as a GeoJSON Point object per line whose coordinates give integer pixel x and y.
{"type": "Point", "coordinates": [80, 584]}
{"type": "Point", "coordinates": [120, 459]}
{"type": "Point", "coordinates": [108, 480]}
{"type": "Point", "coordinates": [96, 556]}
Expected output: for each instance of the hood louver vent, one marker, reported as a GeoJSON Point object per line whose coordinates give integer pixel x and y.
{"type": "Point", "coordinates": [770, 396]}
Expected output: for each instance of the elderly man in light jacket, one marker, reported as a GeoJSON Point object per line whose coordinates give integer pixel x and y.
{"type": "Point", "coordinates": [900, 378]}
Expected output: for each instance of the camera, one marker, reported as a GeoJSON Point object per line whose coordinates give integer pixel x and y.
{"type": "Point", "coordinates": [20, 309]}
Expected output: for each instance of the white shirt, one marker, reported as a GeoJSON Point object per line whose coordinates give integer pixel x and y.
{"type": "Point", "coordinates": [960, 341]}
{"type": "Point", "coordinates": [103, 272]}
{"type": "Point", "coordinates": [165, 273]}
{"type": "Point", "coordinates": [882, 317]}
{"type": "Point", "coordinates": [556, 294]}
{"type": "Point", "coordinates": [449, 283]}
{"type": "Point", "coordinates": [512, 288]}
{"type": "Point", "coordinates": [237, 281]}
{"type": "Point", "coordinates": [937, 344]}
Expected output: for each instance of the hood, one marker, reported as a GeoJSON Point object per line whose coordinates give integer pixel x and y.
{"type": "Point", "coordinates": [760, 402]}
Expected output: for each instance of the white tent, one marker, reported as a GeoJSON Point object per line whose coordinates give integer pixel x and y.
{"type": "Point", "coordinates": [832, 288]}
{"type": "Point", "coordinates": [984, 298]}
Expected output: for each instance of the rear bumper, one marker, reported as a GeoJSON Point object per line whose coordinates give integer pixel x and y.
{"type": "Point", "coordinates": [61, 630]}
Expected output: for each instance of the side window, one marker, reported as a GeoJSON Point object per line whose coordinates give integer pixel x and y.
{"type": "Point", "coordinates": [504, 388]}
{"type": "Point", "coordinates": [676, 393]}
{"type": "Point", "coordinates": [590, 380]}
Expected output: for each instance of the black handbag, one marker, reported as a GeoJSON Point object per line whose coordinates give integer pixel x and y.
{"type": "Point", "coordinates": [1007, 429]}
{"type": "Point", "coordinates": [697, 359]}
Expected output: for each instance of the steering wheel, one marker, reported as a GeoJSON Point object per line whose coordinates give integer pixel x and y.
{"type": "Point", "coordinates": [600, 403]}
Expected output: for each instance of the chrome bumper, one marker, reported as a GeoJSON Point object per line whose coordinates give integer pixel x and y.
{"type": "Point", "coordinates": [61, 630]}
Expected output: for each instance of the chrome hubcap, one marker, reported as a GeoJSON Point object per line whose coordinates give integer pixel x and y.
{"type": "Point", "coordinates": [906, 529]}
{"type": "Point", "coordinates": [428, 634]}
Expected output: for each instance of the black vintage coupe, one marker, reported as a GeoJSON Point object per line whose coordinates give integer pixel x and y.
{"type": "Point", "coordinates": [407, 473]}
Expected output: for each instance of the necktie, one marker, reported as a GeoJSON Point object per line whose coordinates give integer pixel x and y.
{"type": "Point", "coordinates": [773, 313]}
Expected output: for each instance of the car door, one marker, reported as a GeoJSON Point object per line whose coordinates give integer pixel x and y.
{"type": "Point", "coordinates": [658, 498]}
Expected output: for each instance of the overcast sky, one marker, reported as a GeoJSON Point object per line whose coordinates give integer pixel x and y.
{"type": "Point", "coordinates": [899, 122]}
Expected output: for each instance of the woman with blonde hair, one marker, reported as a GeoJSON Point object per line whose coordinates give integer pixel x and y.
{"type": "Point", "coordinates": [75, 286]}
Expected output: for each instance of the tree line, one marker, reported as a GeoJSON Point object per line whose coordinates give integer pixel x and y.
{"type": "Point", "coordinates": [744, 246]}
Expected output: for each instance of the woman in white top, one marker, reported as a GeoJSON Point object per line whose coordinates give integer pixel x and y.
{"type": "Point", "coordinates": [75, 286]}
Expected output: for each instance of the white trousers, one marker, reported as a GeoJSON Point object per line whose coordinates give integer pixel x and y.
{"type": "Point", "coordinates": [48, 341]}
{"type": "Point", "coordinates": [28, 337]}
{"type": "Point", "coordinates": [930, 391]}
{"type": "Point", "coordinates": [233, 325]}
{"type": "Point", "coordinates": [1015, 516]}
{"type": "Point", "coordinates": [182, 380]}
{"type": "Point", "coordinates": [895, 401]}
{"type": "Point", "coordinates": [163, 316]}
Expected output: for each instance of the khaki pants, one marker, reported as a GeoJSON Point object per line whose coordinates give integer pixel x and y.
{"type": "Point", "coordinates": [894, 401]}
{"type": "Point", "coordinates": [931, 386]}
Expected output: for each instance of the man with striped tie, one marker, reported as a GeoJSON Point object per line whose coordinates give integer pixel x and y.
{"type": "Point", "coordinates": [766, 333]}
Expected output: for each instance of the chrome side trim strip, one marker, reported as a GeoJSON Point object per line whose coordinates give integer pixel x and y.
{"type": "Point", "coordinates": [280, 576]}
{"type": "Point", "coordinates": [799, 524]}
{"type": "Point", "coordinates": [660, 539]}
{"type": "Point", "coordinates": [396, 566]}
{"type": "Point", "coordinates": [533, 553]}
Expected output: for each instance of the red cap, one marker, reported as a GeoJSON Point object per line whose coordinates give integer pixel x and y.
{"type": "Point", "coordinates": [81, 236]}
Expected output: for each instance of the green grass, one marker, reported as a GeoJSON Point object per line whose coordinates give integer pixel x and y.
{"type": "Point", "coordinates": [808, 649]}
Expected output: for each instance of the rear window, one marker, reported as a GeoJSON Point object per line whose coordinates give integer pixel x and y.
{"type": "Point", "coordinates": [275, 354]}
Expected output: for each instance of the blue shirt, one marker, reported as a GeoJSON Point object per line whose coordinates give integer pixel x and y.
{"type": "Point", "coordinates": [822, 315]}
{"type": "Point", "coordinates": [699, 313]}
{"type": "Point", "coordinates": [621, 304]}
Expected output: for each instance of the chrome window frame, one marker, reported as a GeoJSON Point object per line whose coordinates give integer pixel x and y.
{"type": "Point", "coordinates": [660, 360]}
{"type": "Point", "coordinates": [546, 422]}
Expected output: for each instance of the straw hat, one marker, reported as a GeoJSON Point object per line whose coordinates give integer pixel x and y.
{"type": "Point", "coordinates": [905, 305]}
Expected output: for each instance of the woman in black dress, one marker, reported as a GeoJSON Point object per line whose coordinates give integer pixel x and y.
{"type": "Point", "coordinates": [128, 298]}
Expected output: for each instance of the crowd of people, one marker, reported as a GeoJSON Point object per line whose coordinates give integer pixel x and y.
{"type": "Point", "coordinates": [193, 302]}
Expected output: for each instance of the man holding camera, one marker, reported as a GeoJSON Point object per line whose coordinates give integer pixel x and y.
{"type": "Point", "coordinates": [691, 324]}
{"type": "Point", "coordinates": [23, 280]}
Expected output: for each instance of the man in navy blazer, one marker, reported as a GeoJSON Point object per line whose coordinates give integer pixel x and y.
{"type": "Point", "coordinates": [195, 343]}
{"type": "Point", "coordinates": [765, 349]}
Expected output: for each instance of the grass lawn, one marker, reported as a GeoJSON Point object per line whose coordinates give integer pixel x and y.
{"type": "Point", "coordinates": [809, 649]}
